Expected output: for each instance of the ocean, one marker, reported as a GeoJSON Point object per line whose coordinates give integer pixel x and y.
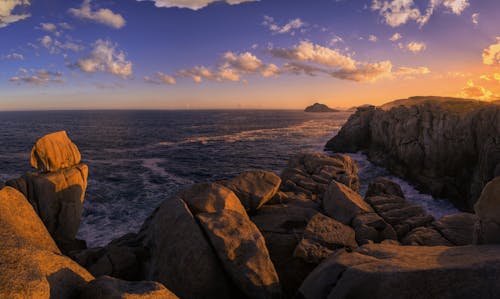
{"type": "Point", "coordinates": [137, 159]}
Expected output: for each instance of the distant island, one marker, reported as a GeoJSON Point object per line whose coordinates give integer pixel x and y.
{"type": "Point", "coordinates": [317, 107]}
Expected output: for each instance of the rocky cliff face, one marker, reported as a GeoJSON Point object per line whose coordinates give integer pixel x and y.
{"type": "Point", "coordinates": [317, 107]}
{"type": "Point", "coordinates": [448, 147]}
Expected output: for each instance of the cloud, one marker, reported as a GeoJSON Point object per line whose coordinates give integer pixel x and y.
{"type": "Point", "coordinates": [475, 18]}
{"type": "Point", "coordinates": [37, 77]}
{"type": "Point", "coordinates": [399, 12]}
{"type": "Point", "coordinates": [14, 56]}
{"type": "Point", "coordinates": [103, 15]}
{"type": "Point", "coordinates": [372, 38]}
{"type": "Point", "coordinates": [160, 78]}
{"type": "Point", "coordinates": [395, 37]}
{"type": "Point", "coordinates": [6, 11]}
{"type": "Point", "coordinates": [193, 4]}
{"type": "Point", "coordinates": [197, 73]}
{"type": "Point", "coordinates": [55, 46]}
{"type": "Point", "coordinates": [495, 76]}
{"type": "Point", "coordinates": [289, 27]}
{"type": "Point", "coordinates": [491, 55]}
{"type": "Point", "coordinates": [416, 47]}
{"type": "Point", "coordinates": [408, 71]}
{"type": "Point", "coordinates": [476, 92]}
{"type": "Point", "coordinates": [105, 58]}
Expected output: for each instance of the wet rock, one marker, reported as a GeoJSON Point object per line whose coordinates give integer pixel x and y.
{"type": "Point", "coordinates": [106, 287]}
{"type": "Point", "coordinates": [343, 204]}
{"type": "Point", "coordinates": [370, 227]}
{"type": "Point", "coordinates": [381, 186]}
{"type": "Point", "coordinates": [322, 236]}
{"type": "Point", "coordinates": [254, 188]}
{"type": "Point", "coordinates": [388, 271]}
{"type": "Point", "coordinates": [54, 151]}
{"type": "Point", "coordinates": [425, 236]}
{"type": "Point", "coordinates": [242, 250]}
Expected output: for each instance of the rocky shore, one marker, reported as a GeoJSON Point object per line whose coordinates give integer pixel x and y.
{"type": "Point", "coordinates": [304, 234]}
{"type": "Point", "coordinates": [447, 147]}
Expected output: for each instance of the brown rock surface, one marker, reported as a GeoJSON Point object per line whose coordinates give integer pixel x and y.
{"type": "Point", "coordinates": [488, 211]}
{"type": "Point", "coordinates": [106, 287]}
{"type": "Point", "coordinates": [370, 227]}
{"type": "Point", "coordinates": [425, 236]}
{"type": "Point", "coordinates": [210, 198]}
{"type": "Point", "coordinates": [457, 228]}
{"type": "Point", "coordinates": [54, 151]}
{"type": "Point", "coordinates": [343, 204]}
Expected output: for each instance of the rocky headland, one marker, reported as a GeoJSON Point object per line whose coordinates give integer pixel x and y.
{"type": "Point", "coordinates": [447, 147]}
{"type": "Point", "coordinates": [320, 108]}
{"type": "Point", "coordinates": [307, 233]}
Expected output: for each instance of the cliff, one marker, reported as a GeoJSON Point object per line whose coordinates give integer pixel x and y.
{"type": "Point", "coordinates": [319, 108]}
{"type": "Point", "coordinates": [448, 147]}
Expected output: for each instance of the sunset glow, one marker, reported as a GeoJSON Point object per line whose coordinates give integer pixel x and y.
{"type": "Point", "coordinates": [276, 54]}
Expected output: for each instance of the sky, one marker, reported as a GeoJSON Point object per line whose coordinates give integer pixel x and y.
{"type": "Point", "coordinates": [244, 54]}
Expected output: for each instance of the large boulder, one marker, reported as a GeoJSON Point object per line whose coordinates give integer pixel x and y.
{"type": "Point", "coordinates": [425, 236]}
{"type": "Point", "coordinates": [457, 228]}
{"type": "Point", "coordinates": [106, 287]}
{"type": "Point", "coordinates": [181, 257]}
{"type": "Point", "coordinates": [254, 188]}
{"type": "Point", "coordinates": [210, 198]}
{"type": "Point", "coordinates": [322, 236]}
{"type": "Point", "coordinates": [488, 210]}
{"type": "Point", "coordinates": [389, 271]}
{"type": "Point", "coordinates": [370, 227]}
{"type": "Point", "coordinates": [57, 197]}
{"type": "Point", "coordinates": [30, 263]}
{"type": "Point", "coordinates": [54, 151]}
{"type": "Point", "coordinates": [381, 186]}
{"type": "Point", "coordinates": [242, 250]}
{"type": "Point", "coordinates": [343, 204]}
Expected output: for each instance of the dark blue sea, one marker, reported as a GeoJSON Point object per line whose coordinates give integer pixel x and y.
{"type": "Point", "coordinates": [137, 159]}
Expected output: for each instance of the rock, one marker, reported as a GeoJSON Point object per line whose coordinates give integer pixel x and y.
{"type": "Point", "coordinates": [106, 287]}
{"type": "Point", "coordinates": [254, 188]}
{"type": "Point", "coordinates": [343, 204]}
{"type": "Point", "coordinates": [448, 147]}
{"type": "Point", "coordinates": [210, 198]}
{"type": "Point", "coordinates": [322, 236]}
{"type": "Point", "coordinates": [457, 228]}
{"type": "Point", "coordinates": [399, 213]}
{"type": "Point", "coordinates": [381, 186]}
{"type": "Point", "coordinates": [370, 227]}
{"type": "Point", "coordinates": [57, 198]}
{"type": "Point", "coordinates": [30, 263]}
{"type": "Point", "coordinates": [425, 236]}
{"type": "Point", "coordinates": [388, 271]}
{"type": "Point", "coordinates": [488, 211]}
{"type": "Point", "coordinates": [122, 258]}
{"type": "Point", "coordinates": [283, 227]}
{"type": "Point", "coordinates": [321, 108]}
{"type": "Point", "coordinates": [54, 151]}
{"type": "Point", "coordinates": [242, 250]}
{"type": "Point", "coordinates": [181, 257]}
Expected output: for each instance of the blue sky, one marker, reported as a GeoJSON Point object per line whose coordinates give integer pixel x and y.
{"type": "Point", "coordinates": [173, 54]}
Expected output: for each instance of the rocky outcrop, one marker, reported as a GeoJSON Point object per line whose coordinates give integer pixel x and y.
{"type": "Point", "coordinates": [389, 271]}
{"type": "Point", "coordinates": [254, 188]}
{"type": "Point", "coordinates": [106, 287]}
{"type": "Point", "coordinates": [319, 108]}
{"type": "Point", "coordinates": [371, 228]}
{"type": "Point", "coordinates": [488, 211]}
{"type": "Point", "coordinates": [343, 204]}
{"type": "Point", "coordinates": [447, 147]}
{"type": "Point", "coordinates": [457, 228]}
{"type": "Point", "coordinates": [58, 191]}
{"type": "Point", "coordinates": [31, 265]}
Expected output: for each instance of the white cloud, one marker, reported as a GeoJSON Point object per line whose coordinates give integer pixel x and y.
{"type": "Point", "coordinates": [193, 4]}
{"type": "Point", "coordinates": [37, 77]}
{"type": "Point", "coordinates": [475, 18]}
{"type": "Point", "coordinates": [395, 37]}
{"type": "Point", "coordinates": [6, 11]}
{"type": "Point", "coordinates": [55, 46]}
{"type": "Point", "coordinates": [197, 73]}
{"type": "Point", "coordinates": [46, 41]}
{"type": "Point", "coordinates": [289, 27]}
{"type": "Point", "coordinates": [160, 78]}
{"type": "Point", "coordinates": [105, 58]}
{"type": "Point", "coordinates": [476, 92]}
{"type": "Point", "coordinates": [335, 40]}
{"type": "Point", "coordinates": [103, 15]}
{"type": "Point", "coordinates": [372, 38]}
{"type": "Point", "coordinates": [398, 12]}
{"type": "Point", "coordinates": [14, 56]}
{"type": "Point", "coordinates": [416, 47]}
{"type": "Point", "coordinates": [491, 55]}
{"type": "Point", "coordinates": [406, 71]}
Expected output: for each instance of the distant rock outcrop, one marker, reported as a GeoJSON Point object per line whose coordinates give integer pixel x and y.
{"type": "Point", "coordinates": [317, 107]}
{"type": "Point", "coordinates": [448, 147]}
